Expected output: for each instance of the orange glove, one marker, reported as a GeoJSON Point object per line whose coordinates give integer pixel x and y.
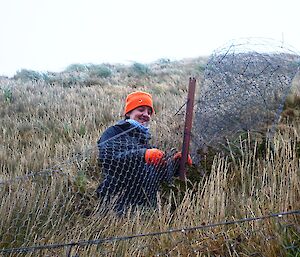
{"type": "Point", "coordinates": [154, 156]}
{"type": "Point", "coordinates": [179, 155]}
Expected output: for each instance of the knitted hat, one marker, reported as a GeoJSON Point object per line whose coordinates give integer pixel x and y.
{"type": "Point", "coordinates": [137, 99]}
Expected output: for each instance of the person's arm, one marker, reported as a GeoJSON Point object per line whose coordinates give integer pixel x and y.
{"type": "Point", "coordinates": [115, 144]}
{"type": "Point", "coordinates": [120, 153]}
{"type": "Point", "coordinates": [115, 148]}
{"type": "Point", "coordinates": [106, 141]}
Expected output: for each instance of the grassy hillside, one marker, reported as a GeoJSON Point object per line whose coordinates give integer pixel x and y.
{"type": "Point", "coordinates": [50, 124]}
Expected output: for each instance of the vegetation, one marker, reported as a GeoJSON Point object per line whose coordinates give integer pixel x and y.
{"type": "Point", "coordinates": [56, 122]}
{"type": "Point", "coordinates": [140, 69]}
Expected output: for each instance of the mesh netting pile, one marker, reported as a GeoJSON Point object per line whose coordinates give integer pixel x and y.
{"type": "Point", "coordinates": [244, 89]}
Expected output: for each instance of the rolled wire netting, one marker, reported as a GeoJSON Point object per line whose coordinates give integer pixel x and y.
{"type": "Point", "coordinates": [244, 89]}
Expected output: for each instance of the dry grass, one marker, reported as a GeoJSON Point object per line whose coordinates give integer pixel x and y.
{"type": "Point", "coordinates": [44, 125]}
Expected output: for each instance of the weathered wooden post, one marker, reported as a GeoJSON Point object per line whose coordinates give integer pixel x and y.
{"type": "Point", "coordinates": [187, 128]}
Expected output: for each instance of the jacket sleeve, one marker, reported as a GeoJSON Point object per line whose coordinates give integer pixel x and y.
{"type": "Point", "coordinates": [118, 153]}
{"type": "Point", "coordinates": [104, 141]}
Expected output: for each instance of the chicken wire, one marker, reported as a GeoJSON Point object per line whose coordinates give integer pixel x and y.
{"type": "Point", "coordinates": [244, 89]}
{"type": "Point", "coordinates": [41, 209]}
{"type": "Point", "coordinates": [44, 206]}
{"type": "Point", "coordinates": [128, 181]}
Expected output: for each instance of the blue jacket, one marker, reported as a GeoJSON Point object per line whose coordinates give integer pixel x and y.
{"type": "Point", "coordinates": [126, 176]}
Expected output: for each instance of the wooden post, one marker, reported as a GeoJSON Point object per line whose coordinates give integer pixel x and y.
{"type": "Point", "coordinates": [187, 128]}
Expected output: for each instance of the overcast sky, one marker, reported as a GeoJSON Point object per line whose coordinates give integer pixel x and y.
{"type": "Point", "coordinates": [49, 35]}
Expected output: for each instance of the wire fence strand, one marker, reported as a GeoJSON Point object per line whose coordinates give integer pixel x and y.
{"type": "Point", "coordinates": [151, 234]}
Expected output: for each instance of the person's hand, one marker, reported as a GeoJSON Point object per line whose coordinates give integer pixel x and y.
{"type": "Point", "coordinates": [154, 156]}
{"type": "Point", "coordinates": [178, 156]}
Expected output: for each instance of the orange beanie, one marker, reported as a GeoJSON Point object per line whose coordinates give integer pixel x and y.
{"type": "Point", "coordinates": [137, 99]}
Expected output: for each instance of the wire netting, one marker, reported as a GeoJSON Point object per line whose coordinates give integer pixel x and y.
{"type": "Point", "coordinates": [128, 179]}
{"type": "Point", "coordinates": [56, 198]}
{"type": "Point", "coordinates": [60, 196]}
{"type": "Point", "coordinates": [57, 215]}
{"type": "Point", "coordinates": [244, 89]}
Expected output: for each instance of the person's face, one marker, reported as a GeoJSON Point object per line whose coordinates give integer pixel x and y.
{"type": "Point", "coordinates": [141, 114]}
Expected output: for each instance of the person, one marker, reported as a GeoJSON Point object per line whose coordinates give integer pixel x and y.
{"type": "Point", "coordinates": [132, 168]}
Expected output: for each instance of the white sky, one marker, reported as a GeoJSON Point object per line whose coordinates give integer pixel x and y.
{"type": "Point", "coordinates": [49, 35]}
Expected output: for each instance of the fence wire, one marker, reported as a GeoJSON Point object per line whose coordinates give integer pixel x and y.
{"type": "Point", "coordinates": [152, 234]}
{"type": "Point", "coordinates": [76, 157]}
{"type": "Point", "coordinates": [54, 169]}
{"type": "Point", "coordinates": [120, 172]}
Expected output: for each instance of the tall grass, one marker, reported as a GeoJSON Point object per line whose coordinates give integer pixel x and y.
{"type": "Point", "coordinates": [45, 125]}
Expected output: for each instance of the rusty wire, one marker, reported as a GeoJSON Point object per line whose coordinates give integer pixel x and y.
{"type": "Point", "coordinates": [152, 234]}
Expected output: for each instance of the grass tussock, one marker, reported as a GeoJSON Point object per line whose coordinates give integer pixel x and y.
{"type": "Point", "coordinates": [50, 125]}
